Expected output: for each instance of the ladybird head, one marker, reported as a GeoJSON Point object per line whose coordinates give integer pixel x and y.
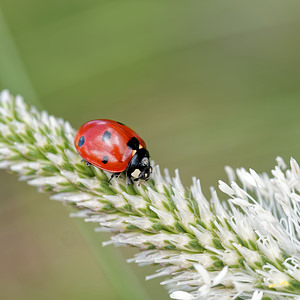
{"type": "Point", "coordinates": [139, 167]}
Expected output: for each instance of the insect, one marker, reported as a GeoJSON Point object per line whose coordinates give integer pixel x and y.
{"type": "Point", "coordinates": [113, 147]}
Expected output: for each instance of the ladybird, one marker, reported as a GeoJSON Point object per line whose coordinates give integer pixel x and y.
{"type": "Point", "coordinates": [113, 147]}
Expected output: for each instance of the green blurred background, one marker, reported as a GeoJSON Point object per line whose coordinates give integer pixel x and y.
{"type": "Point", "coordinates": [205, 83]}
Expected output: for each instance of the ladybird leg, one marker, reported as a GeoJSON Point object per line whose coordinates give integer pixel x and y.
{"type": "Point", "coordinates": [86, 162]}
{"type": "Point", "coordinates": [128, 179]}
{"type": "Point", "coordinates": [128, 172]}
{"type": "Point", "coordinates": [114, 175]}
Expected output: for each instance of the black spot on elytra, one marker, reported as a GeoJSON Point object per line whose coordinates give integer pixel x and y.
{"type": "Point", "coordinates": [105, 159]}
{"type": "Point", "coordinates": [133, 143]}
{"type": "Point", "coordinates": [81, 141]}
{"type": "Point", "coordinates": [121, 123]}
{"type": "Point", "coordinates": [106, 136]}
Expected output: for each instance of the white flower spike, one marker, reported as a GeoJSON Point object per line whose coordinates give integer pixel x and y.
{"type": "Point", "coordinates": [245, 245]}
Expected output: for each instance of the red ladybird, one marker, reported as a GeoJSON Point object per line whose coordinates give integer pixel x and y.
{"type": "Point", "coordinates": [113, 147]}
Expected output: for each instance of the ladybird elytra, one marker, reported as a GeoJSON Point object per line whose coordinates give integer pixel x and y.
{"type": "Point", "coordinates": [113, 147]}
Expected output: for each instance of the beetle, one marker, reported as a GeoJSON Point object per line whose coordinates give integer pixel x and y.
{"type": "Point", "coordinates": [113, 147]}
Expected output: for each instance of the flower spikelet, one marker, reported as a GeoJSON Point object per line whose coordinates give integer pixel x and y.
{"type": "Point", "coordinates": [245, 244]}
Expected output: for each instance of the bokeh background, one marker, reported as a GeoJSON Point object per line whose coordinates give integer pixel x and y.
{"type": "Point", "coordinates": [205, 83]}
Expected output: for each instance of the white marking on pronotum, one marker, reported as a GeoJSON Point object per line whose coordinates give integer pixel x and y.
{"type": "Point", "coordinates": [136, 173]}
